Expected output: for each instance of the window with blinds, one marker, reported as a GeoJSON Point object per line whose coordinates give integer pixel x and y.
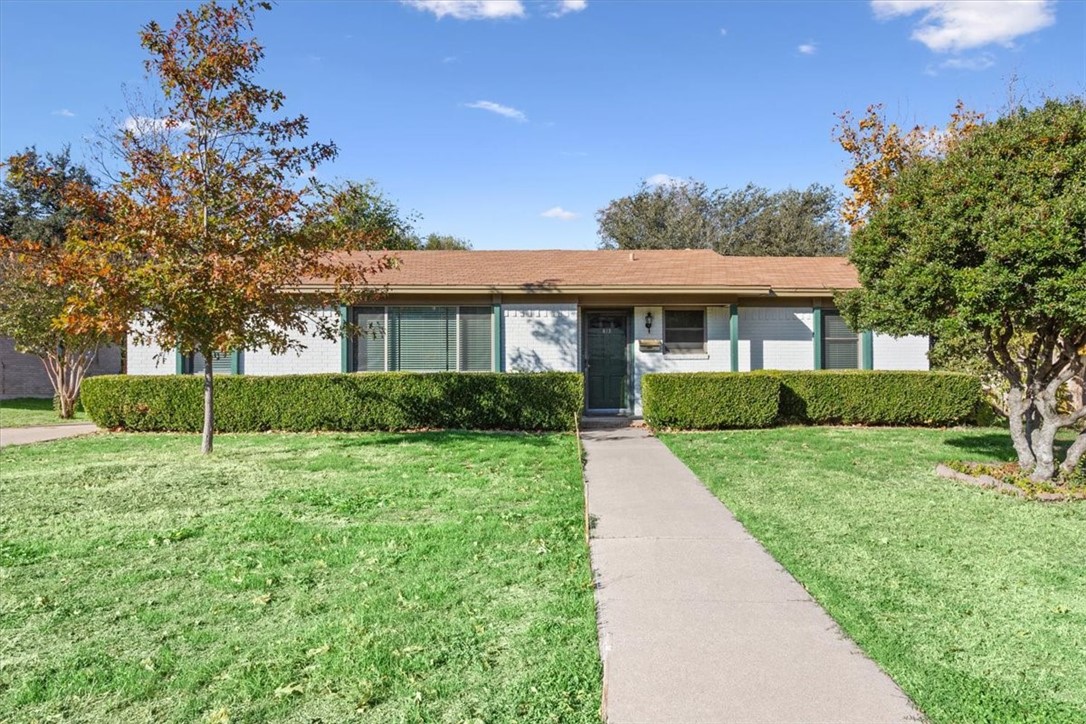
{"type": "Point", "coordinates": [369, 346]}
{"type": "Point", "coordinates": [221, 363]}
{"type": "Point", "coordinates": [684, 331]}
{"type": "Point", "coordinates": [840, 345]}
{"type": "Point", "coordinates": [476, 340]}
{"type": "Point", "coordinates": [424, 339]}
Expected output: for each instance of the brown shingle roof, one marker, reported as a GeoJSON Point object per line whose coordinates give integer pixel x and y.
{"type": "Point", "coordinates": [568, 270]}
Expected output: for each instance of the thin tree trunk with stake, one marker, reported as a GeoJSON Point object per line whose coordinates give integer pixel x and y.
{"type": "Point", "coordinates": [209, 405]}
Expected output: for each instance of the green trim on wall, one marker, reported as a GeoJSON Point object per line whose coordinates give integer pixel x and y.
{"type": "Point", "coordinates": [631, 362]}
{"type": "Point", "coordinates": [733, 323]}
{"type": "Point", "coordinates": [235, 362]}
{"type": "Point", "coordinates": [496, 336]}
{"type": "Point", "coordinates": [344, 341]}
{"type": "Point", "coordinates": [817, 337]}
{"type": "Point", "coordinates": [867, 350]}
{"type": "Point", "coordinates": [179, 361]}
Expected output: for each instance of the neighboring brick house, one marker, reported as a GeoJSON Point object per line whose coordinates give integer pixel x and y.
{"type": "Point", "coordinates": [22, 375]}
{"type": "Point", "coordinates": [613, 315]}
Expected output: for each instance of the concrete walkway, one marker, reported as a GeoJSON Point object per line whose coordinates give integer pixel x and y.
{"type": "Point", "coordinates": [697, 622]}
{"type": "Point", "coordinates": [24, 435]}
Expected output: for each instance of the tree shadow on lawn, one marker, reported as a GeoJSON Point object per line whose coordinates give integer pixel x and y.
{"type": "Point", "coordinates": [996, 445]}
{"type": "Point", "coordinates": [31, 404]}
{"type": "Point", "coordinates": [347, 439]}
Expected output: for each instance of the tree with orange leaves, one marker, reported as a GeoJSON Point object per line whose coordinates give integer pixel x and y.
{"type": "Point", "coordinates": [880, 150]}
{"type": "Point", "coordinates": [212, 230]}
{"type": "Point", "coordinates": [37, 274]}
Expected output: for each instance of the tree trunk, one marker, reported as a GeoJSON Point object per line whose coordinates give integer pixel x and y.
{"type": "Point", "coordinates": [65, 372]}
{"type": "Point", "coordinates": [66, 403]}
{"type": "Point", "coordinates": [1074, 454]}
{"type": "Point", "coordinates": [1017, 408]}
{"type": "Point", "coordinates": [209, 406]}
{"type": "Point", "coordinates": [1044, 448]}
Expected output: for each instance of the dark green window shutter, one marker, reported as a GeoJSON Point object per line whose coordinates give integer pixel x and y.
{"type": "Point", "coordinates": [476, 339]}
{"type": "Point", "coordinates": [369, 347]}
{"type": "Point", "coordinates": [840, 345]}
{"type": "Point", "coordinates": [422, 339]}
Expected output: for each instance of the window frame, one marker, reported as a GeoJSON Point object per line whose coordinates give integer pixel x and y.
{"type": "Point", "coordinates": [457, 339]}
{"type": "Point", "coordinates": [188, 363]}
{"type": "Point", "coordinates": [855, 337]}
{"type": "Point", "coordinates": [703, 350]}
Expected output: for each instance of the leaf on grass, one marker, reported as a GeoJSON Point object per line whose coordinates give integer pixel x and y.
{"type": "Point", "coordinates": [318, 651]}
{"type": "Point", "coordinates": [219, 716]}
{"type": "Point", "coordinates": [290, 689]}
{"type": "Point", "coordinates": [263, 600]}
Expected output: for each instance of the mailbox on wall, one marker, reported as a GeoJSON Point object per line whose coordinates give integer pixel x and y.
{"type": "Point", "coordinates": [650, 345]}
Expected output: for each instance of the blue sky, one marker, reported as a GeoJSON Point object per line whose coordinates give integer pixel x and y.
{"type": "Point", "coordinates": [511, 123]}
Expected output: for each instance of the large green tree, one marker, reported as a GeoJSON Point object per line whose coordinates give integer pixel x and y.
{"type": "Point", "coordinates": [986, 244]}
{"type": "Point", "coordinates": [443, 242]}
{"type": "Point", "coordinates": [35, 219]}
{"type": "Point", "coordinates": [752, 221]}
{"type": "Point", "coordinates": [362, 207]}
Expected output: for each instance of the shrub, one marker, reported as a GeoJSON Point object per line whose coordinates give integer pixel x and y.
{"type": "Point", "coordinates": [878, 397]}
{"type": "Point", "coordinates": [709, 400]}
{"type": "Point", "coordinates": [347, 402]}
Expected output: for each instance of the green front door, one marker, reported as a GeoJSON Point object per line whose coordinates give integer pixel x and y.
{"type": "Point", "coordinates": [605, 360]}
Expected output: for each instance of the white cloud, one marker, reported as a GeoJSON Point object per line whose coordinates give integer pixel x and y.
{"type": "Point", "coordinates": [450, 59]}
{"type": "Point", "coordinates": [470, 9]}
{"type": "Point", "coordinates": [807, 48]}
{"type": "Point", "coordinates": [64, 112]}
{"type": "Point", "coordinates": [955, 25]}
{"type": "Point", "coordinates": [663, 179]}
{"type": "Point", "coordinates": [141, 125]}
{"type": "Point", "coordinates": [569, 6]}
{"type": "Point", "coordinates": [498, 108]}
{"type": "Point", "coordinates": [723, 31]}
{"type": "Point", "coordinates": [557, 212]}
{"type": "Point", "coordinates": [974, 62]}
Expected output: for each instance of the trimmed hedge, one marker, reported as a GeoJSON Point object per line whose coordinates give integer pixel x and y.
{"type": "Point", "coordinates": [710, 400]}
{"type": "Point", "coordinates": [346, 402]}
{"type": "Point", "coordinates": [854, 397]}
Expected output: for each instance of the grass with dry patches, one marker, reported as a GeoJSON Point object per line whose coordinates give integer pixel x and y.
{"type": "Point", "coordinates": [425, 577]}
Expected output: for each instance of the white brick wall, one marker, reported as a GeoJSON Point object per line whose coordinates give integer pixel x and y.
{"type": "Point", "coordinates": [717, 357]}
{"type": "Point", "coordinates": [900, 353]}
{"type": "Point", "coordinates": [319, 355]}
{"type": "Point", "coordinates": [541, 337]}
{"type": "Point", "coordinates": [142, 360]}
{"type": "Point", "coordinates": [776, 338]}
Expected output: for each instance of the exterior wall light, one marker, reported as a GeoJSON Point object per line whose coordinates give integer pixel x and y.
{"type": "Point", "coordinates": [648, 321]}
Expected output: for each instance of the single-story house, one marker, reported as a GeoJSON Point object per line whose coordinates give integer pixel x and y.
{"type": "Point", "coordinates": [613, 315]}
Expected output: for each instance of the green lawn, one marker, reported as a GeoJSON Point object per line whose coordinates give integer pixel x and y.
{"type": "Point", "coordinates": [302, 578]}
{"type": "Point", "coordinates": [32, 411]}
{"type": "Point", "coordinates": [973, 601]}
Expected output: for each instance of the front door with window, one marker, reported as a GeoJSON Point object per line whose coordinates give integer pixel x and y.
{"type": "Point", "coordinates": [606, 365]}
